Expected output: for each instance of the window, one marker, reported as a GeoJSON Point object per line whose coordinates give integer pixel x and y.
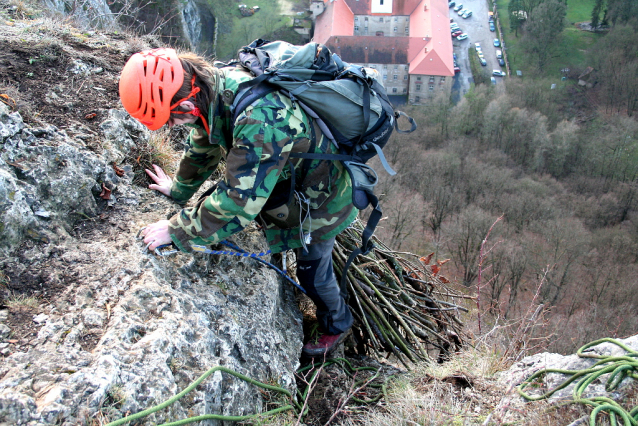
{"type": "Point", "coordinates": [431, 79]}
{"type": "Point", "coordinates": [381, 5]}
{"type": "Point", "coordinates": [381, 18]}
{"type": "Point", "coordinates": [443, 79]}
{"type": "Point", "coordinates": [365, 19]}
{"type": "Point", "coordinates": [356, 19]}
{"type": "Point", "coordinates": [395, 77]}
{"type": "Point", "coordinates": [385, 76]}
{"type": "Point", "coordinates": [405, 90]}
{"type": "Point", "coordinates": [396, 29]}
{"type": "Point", "coordinates": [417, 99]}
{"type": "Point", "coordinates": [418, 78]}
{"type": "Point", "coordinates": [356, 28]}
{"type": "Point", "coordinates": [396, 18]}
{"type": "Point", "coordinates": [407, 30]}
{"type": "Point", "coordinates": [405, 76]}
{"type": "Point", "coordinates": [396, 67]}
{"type": "Point", "coordinates": [431, 87]}
{"type": "Point", "coordinates": [407, 67]}
{"type": "Point", "coordinates": [374, 67]}
{"type": "Point", "coordinates": [385, 66]}
{"type": "Point", "coordinates": [418, 87]}
{"type": "Point", "coordinates": [394, 90]}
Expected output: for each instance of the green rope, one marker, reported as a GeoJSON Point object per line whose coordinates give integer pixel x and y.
{"type": "Point", "coordinates": [210, 416]}
{"type": "Point", "coordinates": [342, 362]}
{"type": "Point", "coordinates": [618, 368]}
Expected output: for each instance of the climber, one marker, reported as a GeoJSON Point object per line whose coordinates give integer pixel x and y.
{"type": "Point", "coordinates": [302, 204]}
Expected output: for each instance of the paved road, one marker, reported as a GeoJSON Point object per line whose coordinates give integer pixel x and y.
{"type": "Point", "coordinates": [478, 30]}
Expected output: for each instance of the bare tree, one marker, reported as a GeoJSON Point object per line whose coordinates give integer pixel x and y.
{"type": "Point", "coordinates": [466, 233]}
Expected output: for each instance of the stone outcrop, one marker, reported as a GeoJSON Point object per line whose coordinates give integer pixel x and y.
{"type": "Point", "coordinates": [513, 403]}
{"type": "Point", "coordinates": [118, 329]}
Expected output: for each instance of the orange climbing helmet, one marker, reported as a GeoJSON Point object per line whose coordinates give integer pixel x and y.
{"type": "Point", "coordinates": [148, 82]}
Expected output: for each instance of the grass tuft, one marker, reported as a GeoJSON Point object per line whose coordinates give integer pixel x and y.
{"type": "Point", "coordinates": [158, 150]}
{"type": "Point", "coordinates": [19, 301]}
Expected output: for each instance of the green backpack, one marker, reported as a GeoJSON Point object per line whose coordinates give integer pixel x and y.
{"type": "Point", "coordinates": [350, 106]}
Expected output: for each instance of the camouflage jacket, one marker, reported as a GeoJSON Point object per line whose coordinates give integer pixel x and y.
{"type": "Point", "coordinates": [256, 153]}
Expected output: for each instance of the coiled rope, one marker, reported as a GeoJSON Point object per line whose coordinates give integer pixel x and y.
{"type": "Point", "coordinates": [618, 368]}
{"type": "Point", "coordinates": [294, 405]}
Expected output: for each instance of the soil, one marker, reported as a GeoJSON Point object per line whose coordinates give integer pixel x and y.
{"type": "Point", "coordinates": [46, 88]}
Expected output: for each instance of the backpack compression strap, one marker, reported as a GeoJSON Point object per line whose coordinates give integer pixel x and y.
{"type": "Point", "coordinates": [366, 244]}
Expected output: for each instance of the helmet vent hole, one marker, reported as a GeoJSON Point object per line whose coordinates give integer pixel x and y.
{"type": "Point", "coordinates": [161, 95]}
{"type": "Point", "coordinates": [161, 75]}
{"type": "Point", "coordinates": [139, 105]}
{"type": "Point", "coordinates": [151, 92]}
{"type": "Point", "coordinates": [155, 65]}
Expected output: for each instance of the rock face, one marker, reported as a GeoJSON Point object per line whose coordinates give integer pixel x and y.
{"type": "Point", "coordinates": [191, 20]}
{"type": "Point", "coordinates": [91, 13]}
{"type": "Point", "coordinates": [199, 25]}
{"type": "Point", "coordinates": [118, 330]}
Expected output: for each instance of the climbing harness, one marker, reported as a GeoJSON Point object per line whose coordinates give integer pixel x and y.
{"type": "Point", "coordinates": [293, 405]}
{"type": "Point", "coordinates": [618, 368]}
{"type": "Point", "coordinates": [169, 249]}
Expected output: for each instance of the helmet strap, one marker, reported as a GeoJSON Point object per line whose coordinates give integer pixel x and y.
{"type": "Point", "coordinates": [195, 111]}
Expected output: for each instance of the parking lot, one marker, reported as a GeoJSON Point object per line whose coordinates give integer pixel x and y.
{"type": "Point", "coordinates": [478, 30]}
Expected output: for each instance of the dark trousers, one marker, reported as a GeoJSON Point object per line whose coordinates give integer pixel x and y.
{"type": "Point", "coordinates": [316, 276]}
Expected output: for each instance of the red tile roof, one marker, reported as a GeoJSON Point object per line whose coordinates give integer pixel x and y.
{"type": "Point", "coordinates": [337, 19]}
{"type": "Point", "coordinates": [428, 49]}
{"type": "Point", "coordinates": [399, 7]}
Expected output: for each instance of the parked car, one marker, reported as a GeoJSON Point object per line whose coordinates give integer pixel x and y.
{"type": "Point", "coordinates": [451, 4]}
{"type": "Point", "coordinates": [492, 27]}
{"type": "Point", "coordinates": [493, 80]}
{"type": "Point", "coordinates": [478, 46]}
{"type": "Point", "coordinates": [498, 73]}
{"type": "Point", "coordinates": [454, 55]}
{"type": "Point", "coordinates": [457, 69]}
{"type": "Point", "coordinates": [497, 43]}
{"type": "Point", "coordinates": [455, 26]}
{"type": "Point", "coordinates": [467, 14]}
{"type": "Point", "coordinates": [459, 7]}
{"type": "Point", "coordinates": [501, 62]}
{"type": "Point", "coordinates": [462, 37]}
{"type": "Point", "coordinates": [499, 54]}
{"type": "Point", "coordinates": [461, 12]}
{"type": "Point", "coordinates": [483, 62]}
{"type": "Point", "coordinates": [457, 33]}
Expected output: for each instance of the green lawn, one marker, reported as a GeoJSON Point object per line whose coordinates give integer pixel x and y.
{"type": "Point", "coordinates": [243, 30]}
{"type": "Point", "coordinates": [572, 51]}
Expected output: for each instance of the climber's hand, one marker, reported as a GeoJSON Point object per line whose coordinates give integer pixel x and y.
{"type": "Point", "coordinates": [157, 234]}
{"type": "Point", "coordinates": [162, 181]}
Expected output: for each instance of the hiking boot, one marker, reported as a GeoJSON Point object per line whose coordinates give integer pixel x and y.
{"type": "Point", "coordinates": [324, 344]}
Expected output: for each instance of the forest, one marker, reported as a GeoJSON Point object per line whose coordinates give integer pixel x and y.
{"type": "Point", "coordinates": [550, 175]}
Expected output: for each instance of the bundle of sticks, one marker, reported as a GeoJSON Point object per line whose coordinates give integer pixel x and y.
{"type": "Point", "coordinates": [401, 304]}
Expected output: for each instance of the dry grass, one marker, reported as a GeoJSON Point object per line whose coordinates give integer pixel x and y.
{"type": "Point", "coordinates": [19, 301]}
{"type": "Point", "coordinates": [159, 151]}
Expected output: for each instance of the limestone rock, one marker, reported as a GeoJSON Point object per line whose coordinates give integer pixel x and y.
{"type": "Point", "coordinates": [125, 330]}
{"type": "Point", "coordinates": [525, 368]}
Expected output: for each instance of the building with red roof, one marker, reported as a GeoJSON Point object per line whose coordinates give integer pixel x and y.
{"type": "Point", "coordinates": [407, 41]}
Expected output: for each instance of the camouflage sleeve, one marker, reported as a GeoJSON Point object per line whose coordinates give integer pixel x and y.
{"type": "Point", "coordinates": [259, 153]}
{"type": "Point", "coordinates": [198, 162]}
